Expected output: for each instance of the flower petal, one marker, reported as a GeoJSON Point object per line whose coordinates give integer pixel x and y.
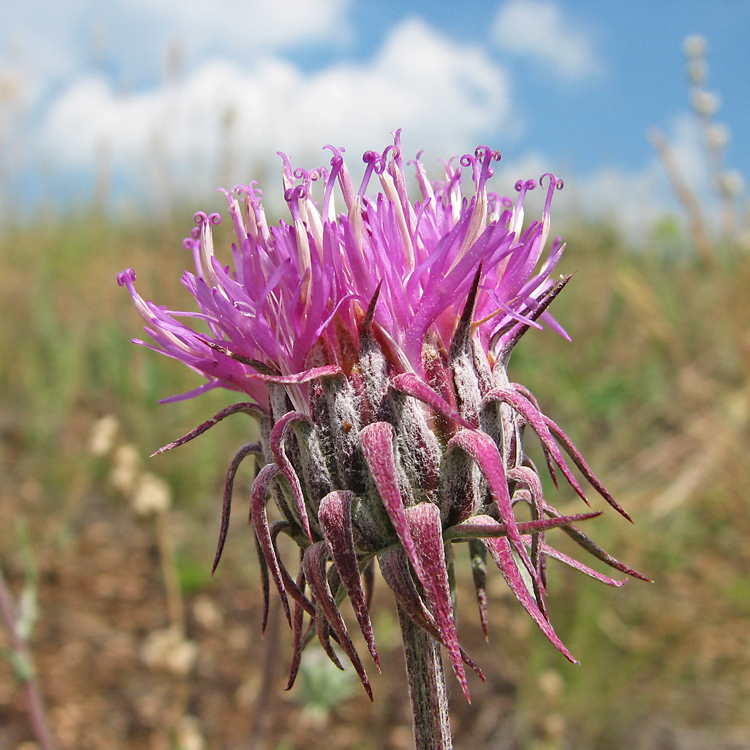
{"type": "Point", "coordinates": [298, 642]}
{"type": "Point", "coordinates": [278, 436]}
{"type": "Point", "coordinates": [577, 565]}
{"type": "Point", "coordinates": [335, 514]}
{"type": "Point", "coordinates": [290, 586]}
{"type": "Point", "coordinates": [485, 453]}
{"type": "Point", "coordinates": [536, 420]}
{"type": "Point", "coordinates": [226, 509]}
{"type": "Point", "coordinates": [427, 532]}
{"type": "Point", "coordinates": [478, 553]}
{"type": "Point", "coordinates": [413, 386]}
{"type": "Point", "coordinates": [502, 554]}
{"type": "Point", "coordinates": [396, 570]}
{"type": "Point", "coordinates": [591, 546]}
{"type": "Point", "coordinates": [314, 565]}
{"type": "Point", "coordinates": [470, 530]}
{"type": "Point", "coordinates": [376, 441]}
{"type": "Point", "coordinates": [259, 520]}
{"type": "Point", "coordinates": [580, 462]}
{"type": "Point", "coordinates": [301, 377]}
{"type": "Point", "coordinates": [243, 408]}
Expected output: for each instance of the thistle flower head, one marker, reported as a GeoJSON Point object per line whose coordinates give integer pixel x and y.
{"type": "Point", "coordinates": [373, 336]}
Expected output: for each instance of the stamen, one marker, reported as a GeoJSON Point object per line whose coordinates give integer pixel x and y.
{"type": "Point", "coordinates": [424, 184]}
{"type": "Point", "coordinates": [375, 162]}
{"type": "Point", "coordinates": [553, 185]}
{"type": "Point", "coordinates": [236, 213]}
{"type": "Point", "coordinates": [255, 215]}
{"type": "Point", "coordinates": [207, 245]}
{"type": "Point", "coordinates": [454, 192]}
{"type": "Point", "coordinates": [329, 212]}
{"type": "Point", "coordinates": [292, 197]}
{"type": "Point", "coordinates": [516, 223]}
{"type": "Point", "coordinates": [345, 180]}
{"type": "Point", "coordinates": [287, 173]}
{"type": "Point", "coordinates": [391, 193]}
{"type": "Point", "coordinates": [126, 279]}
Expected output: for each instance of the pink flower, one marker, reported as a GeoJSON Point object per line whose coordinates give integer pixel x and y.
{"type": "Point", "coordinates": [373, 338]}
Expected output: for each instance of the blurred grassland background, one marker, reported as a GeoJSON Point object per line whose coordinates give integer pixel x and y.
{"type": "Point", "coordinates": [136, 647]}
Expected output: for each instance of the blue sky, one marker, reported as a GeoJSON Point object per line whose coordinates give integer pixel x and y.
{"type": "Point", "coordinates": [571, 87]}
{"type": "Point", "coordinates": [603, 118]}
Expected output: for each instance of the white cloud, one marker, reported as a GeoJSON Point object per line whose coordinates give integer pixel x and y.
{"type": "Point", "coordinates": [446, 96]}
{"type": "Point", "coordinates": [538, 29]}
{"type": "Point", "coordinates": [249, 26]}
{"type": "Point", "coordinates": [130, 39]}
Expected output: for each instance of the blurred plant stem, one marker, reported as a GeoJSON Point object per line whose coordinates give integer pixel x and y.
{"type": "Point", "coordinates": [18, 623]}
{"type": "Point", "coordinates": [175, 602]}
{"type": "Point", "coordinates": [727, 183]}
{"type": "Point", "coordinates": [427, 690]}
{"type": "Point", "coordinates": [684, 195]}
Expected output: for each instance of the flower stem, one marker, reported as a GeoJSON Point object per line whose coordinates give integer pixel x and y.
{"type": "Point", "coordinates": [427, 691]}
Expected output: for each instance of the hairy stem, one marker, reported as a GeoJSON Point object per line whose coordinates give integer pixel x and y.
{"type": "Point", "coordinates": [427, 691]}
